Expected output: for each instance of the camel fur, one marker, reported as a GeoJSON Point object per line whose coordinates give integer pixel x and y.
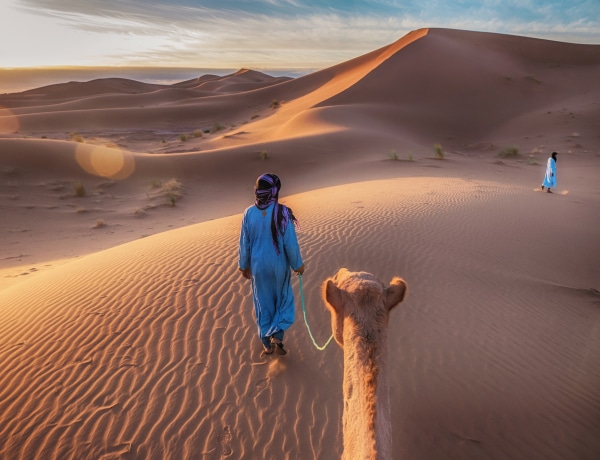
{"type": "Point", "coordinates": [359, 305]}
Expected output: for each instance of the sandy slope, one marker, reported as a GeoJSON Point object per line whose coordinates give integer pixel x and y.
{"type": "Point", "coordinates": [150, 347]}
{"type": "Point", "coordinates": [126, 331]}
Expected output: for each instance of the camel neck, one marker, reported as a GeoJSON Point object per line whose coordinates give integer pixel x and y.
{"type": "Point", "coordinates": [366, 419]}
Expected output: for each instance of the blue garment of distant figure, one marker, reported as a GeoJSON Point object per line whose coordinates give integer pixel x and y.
{"type": "Point", "coordinates": [271, 272]}
{"type": "Point", "coordinates": [550, 177]}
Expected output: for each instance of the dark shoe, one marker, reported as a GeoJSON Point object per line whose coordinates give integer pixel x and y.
{"type": "Point", "coordinates": [267, 350]}
{"type": "Point", "coordinates": [542, 187]}
{"type": "Point", "coordinates": [278, 345]}
{"type": "Point", "coordinates": [548, 191]}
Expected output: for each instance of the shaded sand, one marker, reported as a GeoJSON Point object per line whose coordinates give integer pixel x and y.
{"type": "Point", "coordinates": [126, 330]}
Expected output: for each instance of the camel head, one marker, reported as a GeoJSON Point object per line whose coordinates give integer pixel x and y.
{"type": "Point", "coordinates": [360, 301]}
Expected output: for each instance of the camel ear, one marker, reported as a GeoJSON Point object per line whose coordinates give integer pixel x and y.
{"type": "Point", "coordinates": [394, 294]}
{"type": "Point", "coordinates": [333, 296]}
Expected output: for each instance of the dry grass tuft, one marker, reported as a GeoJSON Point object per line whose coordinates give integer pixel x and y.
{"type": "Point", "coordinates": [76, 137]}
{"type": "Point", "coordinates": [79, 189]}
{"type": "Point", "coordinates": [217, 127]}
{"type": "Point", "coordinates": [509, 152]}
{"type": "Point", "coordinates": [170, 191]}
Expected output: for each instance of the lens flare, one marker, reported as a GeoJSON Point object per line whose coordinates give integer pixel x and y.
{"type": "Point", "coordinates": [105, 162]}
{"type": "Point", "coordinates": [9, 123]}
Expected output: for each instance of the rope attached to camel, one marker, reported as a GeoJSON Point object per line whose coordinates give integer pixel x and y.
{"type": "Point", "coordinates": [306, 321]}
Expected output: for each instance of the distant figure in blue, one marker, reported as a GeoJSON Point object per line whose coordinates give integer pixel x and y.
{"type": "Point", "coordinates": [550, 177]}
{"type": "Point", "coordinates": [268, 252]}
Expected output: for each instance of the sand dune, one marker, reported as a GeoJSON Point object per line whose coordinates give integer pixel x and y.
{"type": "Point", "coordinates": [428, 86]}
{"type": "Point", "coordinates": [127, 332]}
{"type": "Point", "coordinates": [242, 80]}
{"type": "Point", "coordinates": [89, 88]}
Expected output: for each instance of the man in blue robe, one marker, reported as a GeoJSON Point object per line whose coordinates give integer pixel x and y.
{"type": "Point", "coordinates": [268, 252]}
{"type": "Point", "coordinates": [550, 177]}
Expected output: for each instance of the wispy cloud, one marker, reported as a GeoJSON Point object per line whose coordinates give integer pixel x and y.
{"type": "Point", "coordinates": [289, 33]}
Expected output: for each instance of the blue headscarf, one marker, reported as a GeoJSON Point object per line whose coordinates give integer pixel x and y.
{"type": "Point", "coordinates": [266, 191]}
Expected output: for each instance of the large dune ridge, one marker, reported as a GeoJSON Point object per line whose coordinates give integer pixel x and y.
{"type": "Point", "coordinates": [126, 330]}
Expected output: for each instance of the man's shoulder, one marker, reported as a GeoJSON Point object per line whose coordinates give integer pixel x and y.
{"type": "Point", "coordinates": [250, 210]}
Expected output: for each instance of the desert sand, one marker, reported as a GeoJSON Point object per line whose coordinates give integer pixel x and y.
{"type": "Point", "coordinates": [126, 330]}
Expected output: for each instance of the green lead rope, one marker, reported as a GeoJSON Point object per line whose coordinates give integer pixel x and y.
{"type": "Point", "coordinates": [306, 321]}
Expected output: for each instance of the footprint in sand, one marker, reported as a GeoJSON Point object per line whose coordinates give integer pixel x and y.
{"type": "Point", "coordinates": [224, 439]}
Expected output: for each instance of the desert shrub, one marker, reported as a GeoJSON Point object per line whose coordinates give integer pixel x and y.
{"type": "Point", "coordinates": [511, 151]}
{"type": "Point", "coordinates": [99, 223]}
{"type": "Point", "coordinates": [217, 127]}
{"type": "Point", "coordinates": [439, 153]}
{"type": "Point", "coordinates": [275, 104]}
{"type": "Point", "coordinates": [263, 154]}
{"type": "Point", "coordinates": [76, 137]}
{"type": "Point", "coordinates": [393, 155]}
{"type": "Point", "coordinates": [197, 133]}
{"type": "Point", "coordinates": [172, 185]}
{"type": "Point", "coordinates": [410, 157]}
{"type": "Point", "coordinates": [172, 198]}
{"type": "Point", "coordinates": [169, 190]}
{"type": "Point", "coordinates": [532, 160]}
{"type": "Point", "coordinates": [79, 189]}
{"type": "Point", "coordinates": [155, 183]}
{"type": "Point", "coordinates": [254, 116]}
{"type": "Point", "coordinates": [183, 137]}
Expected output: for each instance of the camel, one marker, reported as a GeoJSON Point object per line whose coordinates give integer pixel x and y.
{"type": "Point", "coordinates": [360, 304]}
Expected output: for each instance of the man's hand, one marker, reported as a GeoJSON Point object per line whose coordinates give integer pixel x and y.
{"type": "Point", "coordinates": [246, 273]}
{"type": "Point", "coordinates": [300, 270]}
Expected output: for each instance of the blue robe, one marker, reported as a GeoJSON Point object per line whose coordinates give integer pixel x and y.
{"type": "Point", "coordinates": [550, 177]}
{"type": "Point", "coordinates": [271, 272]}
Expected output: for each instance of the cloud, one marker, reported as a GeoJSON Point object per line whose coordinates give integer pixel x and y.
{"type": "Point", "coordinates": [294, 33]}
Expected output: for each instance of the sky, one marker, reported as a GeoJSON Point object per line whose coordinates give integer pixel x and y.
{"type": "Point", "coordinates": [260, 34]}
